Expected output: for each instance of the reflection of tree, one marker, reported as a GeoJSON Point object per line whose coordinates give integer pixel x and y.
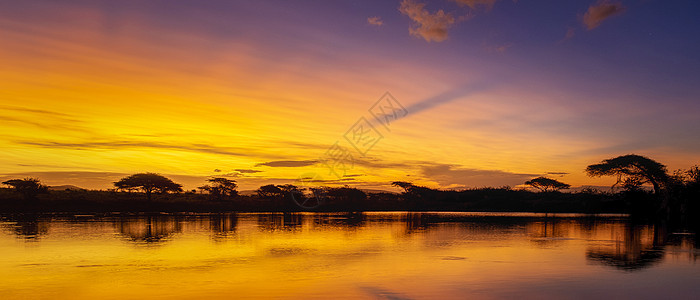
{"type": "Point", "coordinates": [635, 251]}
{"type": "Point", "coordinates": [684, 244]}
{"type": "Point", "coordinates": [149, 229]}
{"type": "Point", "coordinates": [348, 220]}
{"type": "Point", "coordinates": [548, 232]}
{"type": "Point", "coordinates": [28, 226]}
{"type": "Point", "coordinates": [416, 222]}
{"type": "Point", "coordinates": [222, 225]}
{"type": "Point", "coordinates": [280, 221]}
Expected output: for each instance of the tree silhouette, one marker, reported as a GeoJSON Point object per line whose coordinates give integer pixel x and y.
{"type": "Point", "coordinates": [148, 183]}
{"type": "Point", "coordinates": [631, 170]}
{"type": "Point", "coordinates": [29, 188]}
{"type": "Point", "coordinates": [406, 186]}
{"type": "Point", "coordinates": [415, 193]}
{"type": "Point", "coordinates": [545, 184]}
{"type": "Point", "coordinates": [346, 196]}
{"type": "Point", "coordinates": [693, 175]}
{"type": "Point", "coordinates": [269, 191]}
{"type": "Point", "coordinates": [220, 188]}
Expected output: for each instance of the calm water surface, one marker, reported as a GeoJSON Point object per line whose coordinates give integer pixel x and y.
{"type": "Point", "coordinates": [345, 256]}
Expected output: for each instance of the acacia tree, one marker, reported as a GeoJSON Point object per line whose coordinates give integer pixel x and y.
{"type": "Point", "coordinates": [148, 183]}
{"type": "Point", "coordinates": [269, 191]}
{"type": "Point", "coordinates": [632, 170]}
{"type": "Point", "coordinates": [545, 184]}
{"type": "Point", "coordinates": [220, 187]}
{"type": "Point", "coordinates": [414, 192]}
{"type": "Point", "coordinates": [29, 188]}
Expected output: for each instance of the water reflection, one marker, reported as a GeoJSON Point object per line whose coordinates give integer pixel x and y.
{"type": "Point", "coordinates": [149, 229]}
{"type": "Point", "coordinates": [549, 231]}
{"type": "Point", "coordinates": [344, 221]}
{"type": "Point", "coordinates": [634, 247]}
{"type": "Point", "coordinates": [223, 226]}
{"type": "Point", "coordinates": [279, 221]}
{"type": "Point", "coordinates": [27, 226]}
{"type": "Point", "coordinates": [359, 255]}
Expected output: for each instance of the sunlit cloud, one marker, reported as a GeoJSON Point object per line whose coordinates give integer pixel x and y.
{"type": "Point", "coordinates": [427, 25]}
{"type": "Point", "coordinates": [376, 21]}
{"type": "Point", "coordinates": [601, 11]}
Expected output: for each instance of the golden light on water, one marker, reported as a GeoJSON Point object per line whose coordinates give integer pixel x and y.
{"type": "Point", "coordinates": [374, 255]}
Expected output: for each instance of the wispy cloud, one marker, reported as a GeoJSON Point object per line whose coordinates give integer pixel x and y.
{"type": "Point", "coordinates": [427, 25]}
{"type": "Point", "coordinates": [570, 33]}
{"type": "Point", "coordinates": [599, 12]}
{"type": "Point", "coordinates": [33, 110]}
{"type": "Point", "coordinates": [376, 21]}
{"type": "Point", "coordinates": [474, 4]}
{"type": "Point", "coordinates": [136, 144]}
{"type": "Point", "coordinates": [43, 119]}
{"type": "Point", "coordinates": [498, 48]}
{"type": "Point", "coordinates": [447, 97]}
{"type": "Point", "coordinates": [288, 163]}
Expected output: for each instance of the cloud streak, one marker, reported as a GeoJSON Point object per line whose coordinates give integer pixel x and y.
{"type": "Point", "coordinates": [432, 27]}
{"type": "Point", "coordinates": [132, 144]}
{"type": "Point", "coordinates": [288, 163]}
{"type": "Point", "coordinates": [446, 97]}
{"type": "Point", "coordinates": [248, 171]}
{"type": "Point", "coordinates": [601, 11]}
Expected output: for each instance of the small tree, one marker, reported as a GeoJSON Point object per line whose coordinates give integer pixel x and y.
{"type": "Point", "coordinates": [220, 188]}
{"type": "Point", "coordinates": [545, 184]}
{"type": "Point", "coordinates": [148, 183]}
{"type": "Point", "coordinates": [29, 188]}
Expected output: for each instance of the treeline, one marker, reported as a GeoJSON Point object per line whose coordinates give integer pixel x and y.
{"type": "Point", "coordinates": [672, 195]}
{"type": "Point", "coordinates": [289, 198]}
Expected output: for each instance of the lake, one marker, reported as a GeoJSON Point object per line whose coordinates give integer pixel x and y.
{"type": "Point", "coordinates": [379, 255]}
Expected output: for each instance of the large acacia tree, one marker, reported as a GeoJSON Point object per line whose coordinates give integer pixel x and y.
{"type": "Point", "coordinates": [148, 183]}
{"type": "Point", "coordinates": [632, 169]}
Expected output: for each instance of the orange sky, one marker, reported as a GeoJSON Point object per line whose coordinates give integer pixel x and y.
{"type": "Point", "coordinates": [89, 95]}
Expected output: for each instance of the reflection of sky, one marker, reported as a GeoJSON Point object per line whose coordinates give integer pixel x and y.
{"type": "Point", "coordinates": [317, 255]}
{"type": "Point", "coordinates": [184, 87]}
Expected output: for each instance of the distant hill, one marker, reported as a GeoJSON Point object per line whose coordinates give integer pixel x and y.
{"type": "Point", "coordinates": [368, 191]}
{"type": "Point", "coordinates": [65, 187]}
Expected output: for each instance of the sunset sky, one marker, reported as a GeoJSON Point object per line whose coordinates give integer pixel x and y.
{"type": "Point", "coordinates": [495, 92]}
